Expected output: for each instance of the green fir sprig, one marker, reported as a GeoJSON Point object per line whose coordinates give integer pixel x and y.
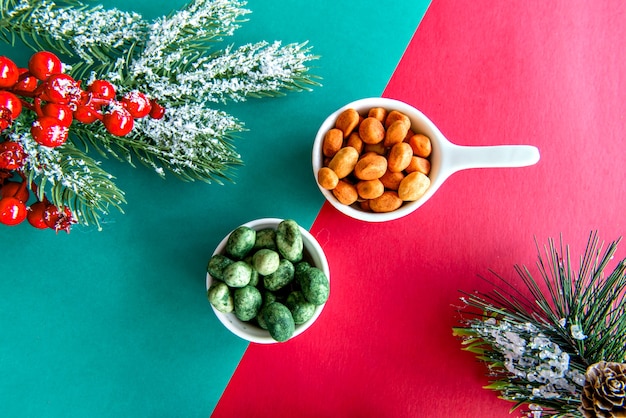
{"type": "Point", "coordinates": [538, 342]}
{"type": "Point", "coordinates": [177, 60]}
{"type": "Point", "coordinates": [66, 176]}
{"type": "Point", "coordinates": [102, 36]}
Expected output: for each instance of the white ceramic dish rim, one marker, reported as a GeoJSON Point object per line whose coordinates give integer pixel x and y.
{"type": "Point", "coordinates": [249, 331]}
{"type": "Point", "coordinates": [446, 158]}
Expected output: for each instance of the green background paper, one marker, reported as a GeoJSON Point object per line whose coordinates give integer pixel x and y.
{"type": "Point", "coordinates": [116, 323]}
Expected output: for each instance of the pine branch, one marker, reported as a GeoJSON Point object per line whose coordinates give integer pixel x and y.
{"type": "Point", "coordinates": [250, 71]}
{"type": "Point", "coordinates": [194, 27]}
{"type": "Point", "coordinates": [579, 313]}
{"type": "Point", "coordinates": [69, 177]}
{"type": "Point", "coordinates": [95, 36]}
{"type": "Point", "coordinates": [191, 142]}
{"type": "Point", "coordinates": [15, 23]}
{"type": "Point", "coordinates": [172, 60]}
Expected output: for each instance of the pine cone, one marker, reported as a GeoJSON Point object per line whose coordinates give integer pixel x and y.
{"type": "Point", "coordinates": [604, 393]}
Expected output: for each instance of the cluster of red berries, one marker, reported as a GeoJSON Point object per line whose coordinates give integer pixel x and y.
{"type": "Point", "coordinates": [41, 214]}
{"type": "Point", "coordinates": [57, 100]}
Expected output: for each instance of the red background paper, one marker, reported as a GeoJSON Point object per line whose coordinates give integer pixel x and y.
{"type": "Point", "coordinates": [550, 74]}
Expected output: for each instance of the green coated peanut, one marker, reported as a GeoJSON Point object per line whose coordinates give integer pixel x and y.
{"type": "Point", "coordinates": [216, 266]}
{"type": "Point", "coordinates": [265, 238]}
{"type": "Point", "coordinates": [240, 242]}
{"type": "Point", "coordinates": [280, 278]}
{"type": "Point", "coordinates": [301, 309]}
{"type": "Point", "coordinates": [289, 240]}
{"type": "Point", "coordinates": [238, 274]}
{"type": "Point", "coordinates": [220, 297]}
{"type": "Point", "coordinates": [265, 261]}
{"type": "Point", "coordinates": [279, 321]}
{"type": "Point", "coordinates": [315, 286]}
{"type": "Point", "coordinates": [247, 302]}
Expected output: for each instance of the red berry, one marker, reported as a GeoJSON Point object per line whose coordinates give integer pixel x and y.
{"type": "Point", "coordinates": [35, 215]}
{"type": "Point", "coordinates": [102, 89]}
{"type": "Point", "coordinates": [61, 89]}
{"type": "Point", "coordinates": [137, 104]}
{"type": "Point", "coordinates": [11, 155]}
{"type": "Point", "coordinates": [9, 73]}
{"type": "Point", "coordinates": [49, 131]}
{"type": "Point", "coordinates": [86, 114]}
{"type": "Point", "coordinates": [10, 102]}
{"type": "Point", "coordinates": [12, 211]}
{"type": "Point", "coordinates": [16, 190]}
{"type": "Point", "coordinates": [43, 64]}
{"type": "Point", "coordinates": [27, 83]}
{"type": "Point", "coordinates": [118, 121]}
{"type": "Point", "coordinates": [51, 215]}
{"type": "Point", "coordinates": [58, 220]}
{"type": "Point", "coordinates": [157, 111]}
{"type": "Point", "coordinates": [58, 111]}
{"type": "Point", "coordinates": [10, 108]}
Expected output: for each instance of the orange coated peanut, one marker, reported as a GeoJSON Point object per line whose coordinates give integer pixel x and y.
{"type": "Point", "coordinates": [399, 157]}
{"type": "Point", "coordinates": [327, 178]}
{"type": "Point", "coordinates": [394, 116]}
{"type": "Point", "coordinates": [379, 113]}
{"type": "Point", "coordinates": [409, 134]}
{"type": "Point", "coordinates": [347, 121]}
{"type": "Point", "coordinates": [370, 189]}
{"type": "Point", "coordinates": [345, 192]}
{"type": "Point", "coordinates": [371, 131]}
{"type": "Point", "coordinates": [418, 164]}
{"type": "Point", "coordinates": [333, 141]}
{"type": "Point", "coordinates": [396, 132]}
{"type": "Point", "coordinates": [370, 166]}
{"type": "Point", "coordinates": [421, 145]}
{"type": "Point", "coordinates": [344, 161]}
{"type": "Point", "coordinates": [387, 202]}
{"type": "Point", "coordinates": [413, 186]}
{"type": "Point", "coordinates": [354, 141]}
{"type": "Point", "coordinates": [391, 180]}
{"type": "Point", "coordinates": [377, 148]}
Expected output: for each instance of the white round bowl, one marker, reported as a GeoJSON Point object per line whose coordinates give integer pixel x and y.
{"type": "Point", "coordinates": [446, 158]}
{"type": "Point", "coordinates": [249, 331]}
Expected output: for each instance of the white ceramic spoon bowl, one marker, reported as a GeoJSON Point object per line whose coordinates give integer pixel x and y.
{"type": "Point", "coordinates": [446, 159]}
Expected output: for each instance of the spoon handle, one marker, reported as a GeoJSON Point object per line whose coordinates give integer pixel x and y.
{"type": "Point", "coordinates": [494, 156]}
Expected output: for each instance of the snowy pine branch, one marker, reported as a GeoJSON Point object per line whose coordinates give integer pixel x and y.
{"type": "Point", "coordinates": [69, 177]}
{"type": "Point", "coordinates": [176, 61]}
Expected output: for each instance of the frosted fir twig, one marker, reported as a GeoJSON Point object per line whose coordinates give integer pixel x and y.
{"type": "Point", "coordinates": [68, 177]}
{"type": "Point", "coordinates": [526, 365]}
{"type": "Point", "coordinates": [89, 31]}
{"type": "Point", "coordinates": [185, 31]}
{"type": "Point", "coordinates": [170, 58]}
{"type": "Point", "coordinates": [531, 357]}
{"type": "Point", "coordinates": [253, 70]}
{"type": "Point", "coordinates": [191, 141]}
{"type": "Point", "coordinates": [537, 344]}
{"type": "Point", "coordinates": [174, 60]}
{"type": "Point", "coordinates": [94, 34]}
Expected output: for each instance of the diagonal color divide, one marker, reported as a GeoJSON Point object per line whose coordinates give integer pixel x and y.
{"type": "Point", "coordinates": [116, 323]}
{"type": "Point", "coordinates": [486, 73]}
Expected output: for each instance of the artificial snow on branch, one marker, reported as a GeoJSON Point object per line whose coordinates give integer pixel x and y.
{"type": "Point", "coordinates": [176, 61]}
{"type": "Point", "coordinates": [558, 345]}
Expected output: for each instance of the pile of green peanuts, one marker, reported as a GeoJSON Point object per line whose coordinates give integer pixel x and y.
{"type": "Point", "coordinates": [263, 278]}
